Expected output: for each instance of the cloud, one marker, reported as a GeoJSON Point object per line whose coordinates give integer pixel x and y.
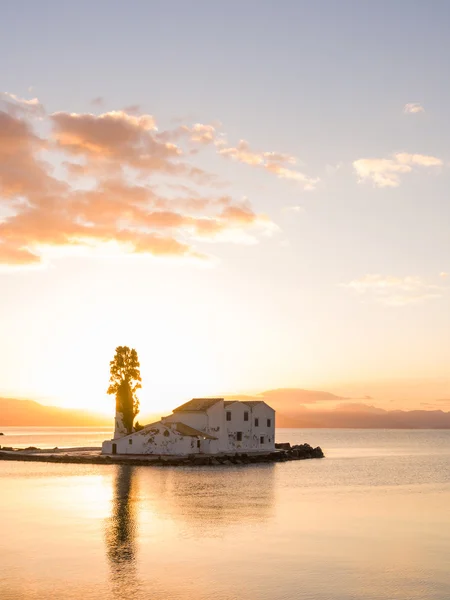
{"type": "Point", "coordinates": [443, 275]}
{"type": "Point", "coordinates": [291, 398]}
{"type": "Point", "coordinates": [117, 203]}
{"type": "Point", "coordinates": [116, 134]}
{"type": "Point", "coordinates": [387, 172]}
{"type": "Point", "coordinates": [203, 134]}
{"type": "Point", "coordinates": [413, 108]}
{"type": "Point", "coordinates": [22, 173]}
{"type": "Point", "coordinates": [277, 163]}
{"type": "Point", "coordinates": [418, 160]}
{"type": "Point", "coordinates": [280, 164]}
{"type": "Point", "coordinates": [16, 106]}
{"type": "Point", "coordinates": [198, 133]}
{"type": "Point", "coordinates": [394, 291]}
{"type": "Point", "coordinates": [117, 140]}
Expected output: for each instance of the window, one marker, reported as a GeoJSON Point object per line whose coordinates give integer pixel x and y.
{"type": "Point", "coordinates": [269, 422]}
{"type": "Point", "coordinates": [228, 415]}
{"type": "Point", "coordinates": [261, 440]}
{"type": "Point", "coordinates": [239, 436]}
{"type": "Point", "coordinates": [246, 416]}
{"type": "Point", "coordinates": [130, 441]}
{"type": "Point", "coordinates": [256, 422]}
{"type": "Point", "coordinates": [198, 443]}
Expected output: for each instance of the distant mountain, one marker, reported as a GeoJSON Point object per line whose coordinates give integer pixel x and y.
{"type": "Point", "coordinates": [22, 413]}
{"type": "Point", "coordinates": [361, 419]}
{"type": "Point", "coordinates": [295, 408]}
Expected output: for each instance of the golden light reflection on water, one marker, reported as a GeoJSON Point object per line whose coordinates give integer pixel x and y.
{"type": "Point", "coordinates": [120, 533]}
{"type": "Point", "coordinates": [341, 528]}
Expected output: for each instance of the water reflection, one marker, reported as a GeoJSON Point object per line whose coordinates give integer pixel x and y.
{"type": "Point", "coordinates": [120, 532]}
{"type": "Point", "coordinates": [210, 500]}
{"type": "Point", "coordinates": [170, 505]}
{"type": "Point", "coordinates": [343, 528]}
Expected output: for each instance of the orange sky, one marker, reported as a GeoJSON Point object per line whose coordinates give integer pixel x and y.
{"type": "Point", "coordinates": [247, 217]}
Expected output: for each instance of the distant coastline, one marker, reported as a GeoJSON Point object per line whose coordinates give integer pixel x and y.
{"type": "Point", "coordinates": [291, 413]}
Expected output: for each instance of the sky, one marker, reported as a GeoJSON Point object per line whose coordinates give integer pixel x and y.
{"type": "Point", "coordinates": [254, 195]}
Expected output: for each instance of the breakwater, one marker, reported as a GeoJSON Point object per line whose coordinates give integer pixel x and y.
{"type": "Point", "coordinates": [283, 453]}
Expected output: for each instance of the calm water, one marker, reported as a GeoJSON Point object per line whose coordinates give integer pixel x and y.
{"type": "Point", "coordinates": [50, 437]}
{"type": "Point", "coordinates": [371, 521]}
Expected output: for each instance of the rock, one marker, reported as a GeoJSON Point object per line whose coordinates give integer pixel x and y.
{"type": "Point", "coordinates": [200, 461]}
{"type": "Point", "coordinates": [306, 451]}
{"type": "Point", "coordinates": [214, 461]}
{"type": "Point", "coordinates": [283, 446]}
{"type": "Point", "coordinates": [318, 452]}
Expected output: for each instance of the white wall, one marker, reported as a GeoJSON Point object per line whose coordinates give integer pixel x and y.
{"type": "Point", "coordinates": [119, 428]}
{"type": "Point", "coordinates": [156, 439]}
{"type": "Point", "coordinates": [252, 433]}
{"type": "Point", "coordinates": [238, 425]}
{"type": "Point", "coordinates": [262, 412]}
{"type": "Point", "coordinates": [210, 421]}
{"type": "Point", "coordinates": [162, 438]}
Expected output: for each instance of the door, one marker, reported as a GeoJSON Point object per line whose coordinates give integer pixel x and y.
{"type": "Point", "coordinates": [114, 448]}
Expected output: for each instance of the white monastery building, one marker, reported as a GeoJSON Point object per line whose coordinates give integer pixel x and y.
{"type": "Point", "coordinates": [201, 426]}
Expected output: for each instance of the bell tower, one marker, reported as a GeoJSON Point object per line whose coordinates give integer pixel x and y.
{"type": "Point", "coordinates": [119, 427]}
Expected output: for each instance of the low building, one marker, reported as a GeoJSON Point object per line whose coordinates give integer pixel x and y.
{"type": "Point", "coordinates": [201, 426]}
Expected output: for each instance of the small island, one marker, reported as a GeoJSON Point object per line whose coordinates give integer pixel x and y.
{"type": "Point", "coordinates": [201, 432]}
{"type": "Point", "coordinates": [94, 457]}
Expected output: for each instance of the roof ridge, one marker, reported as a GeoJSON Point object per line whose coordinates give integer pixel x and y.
{"type": "Point", "coordinates": [197, 404]}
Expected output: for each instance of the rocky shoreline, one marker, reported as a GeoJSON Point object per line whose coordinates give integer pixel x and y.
{"type": "Point", "coordinates": [284, 452]}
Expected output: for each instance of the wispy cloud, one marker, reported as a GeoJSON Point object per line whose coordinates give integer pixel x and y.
{"type": "Point", "coordinates": [413, 108]}
{"type": "Point", "coordinates": [16, 106]}
{"type": "Point", "coordinates": [394, 291]}
{"type": "Point", "coordinates": [278, 163]}
{"type": "Point", "coordinates": [387, 172]}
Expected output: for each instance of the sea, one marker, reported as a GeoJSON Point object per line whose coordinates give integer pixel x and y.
{"type": "Point", "coordinates": [371, 521]}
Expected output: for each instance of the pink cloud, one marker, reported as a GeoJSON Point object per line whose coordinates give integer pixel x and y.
{"type": "Point", "coordinates": [117, 207]}
{"type": "Point", "coordinates": [278, 163]}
